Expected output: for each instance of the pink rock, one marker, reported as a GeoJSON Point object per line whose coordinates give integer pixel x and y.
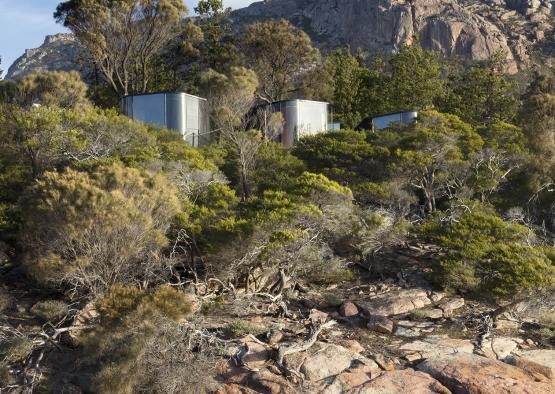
{"type": "Point", "coordinates": [380, 324]}
{"type": "Point", "coordinates": [348, 309]}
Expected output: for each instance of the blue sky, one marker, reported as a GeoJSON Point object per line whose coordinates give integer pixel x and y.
{"type": "Point", "coordinates": [25, 23]}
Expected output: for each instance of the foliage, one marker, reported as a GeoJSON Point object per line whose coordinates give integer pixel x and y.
{"type": "Point", "coordinates": [415, 79]}
{"type": "Point", "coordinates": [140, 345]}
{"type": "Point", "coordinates": [239, 328]}
{"type": "Point", "coordinates": [276, 168]}
{"type": "Point", "coordinates": [124, 37]}
{"type": "Point", "coordinates": [344, 156]}
{"type": "Point", "coordinates": [15, 349]}
{"type": "Point", "coordinates": [50, 310]}
{"type": "Point", "coordinates": [217, 50]}
{"type": "Point", "coordinates": [6, 301]}
{"type": "Point", "coordinates": [480, 94]}
{"type": "Point", "coordinates": [276, 51]}
{"type": "Point", "coordinates": [53, 89]}
{"type": "Point", "coordinates": [45, 138]}
{"type": "Point", "coordinates": [487, 256]}
{"type": "Point", "coordinates": [89, 231]}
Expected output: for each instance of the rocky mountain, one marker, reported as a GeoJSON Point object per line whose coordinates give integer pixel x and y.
{"type": "Point", "coordinates": [470, 29]}
{"type": "Point", "coordinates": [60, 52]}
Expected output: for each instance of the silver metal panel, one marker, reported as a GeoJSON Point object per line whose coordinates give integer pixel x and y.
{"type": "Point", "coordinates": [181, 112]}
{"type": "Point", "coordinates": [149, 109]}
{"type": "Point", "coordinates": [301, 118]}
{"type": "Point", "coordinates": [383, 122]}
{"type": "Point", "coordinates": [175, 112]}
{"type": "Point", "coordinates": [313, 118]}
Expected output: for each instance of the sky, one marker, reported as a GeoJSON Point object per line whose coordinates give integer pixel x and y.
{"type": "Point", "coordinates": [25, 23]}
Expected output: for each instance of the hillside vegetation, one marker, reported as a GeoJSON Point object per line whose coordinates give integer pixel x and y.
{"type": "Point", "coordinates": [132, 262]}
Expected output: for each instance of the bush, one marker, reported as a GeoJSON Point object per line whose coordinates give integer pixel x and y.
{"type": "Point", "coordinates": [140, 342]}
{"type": "Point", "coordinates": [90, 231]}
{"type": "Point", "coordinates": [123, 304]}
{"type": "Point", "coordinates": [15, 349]}
{"type": "Point", "coordinates": [50, 310]}
{"type": "Point", "coordinates": [239, 328]}
{"type": "Point", "coordinates": [487, 256]}
{"type": "Point", "coordinates": [6, 301]}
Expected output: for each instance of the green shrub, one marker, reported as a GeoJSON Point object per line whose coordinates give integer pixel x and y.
{"type": "Point", "coordinates": [15, 349]}
{"type": "Point", "coordinates": [50, 310]}
{"type": "Point", "coordinates": [547, 318]}
{"type": "Point", "coordinates": [240, 328]}
{"type": "Point", "coordinates": [131, 330]}
{"type": "Point", "coordinates": [487, 256]}
{"type": "Point", "coordinates": [6, 301]}
{"type": "Point", "coordinates": [123, 305]}
{"type": "Point", "coordinates": [90, 231]}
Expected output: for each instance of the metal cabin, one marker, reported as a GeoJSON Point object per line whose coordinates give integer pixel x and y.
{"type": "Point", "coordinates": [384, 121]}
{"type": "Point", "coordinates": [182, 112]}
{"type": "Point", "coordinates": [301, 118]}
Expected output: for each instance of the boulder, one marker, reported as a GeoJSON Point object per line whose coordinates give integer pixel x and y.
{"type": "Point", "coordinates": [499, 348]}
{"type": "Point", "coordinates": [348, 309]}
{"type": "Point", "coordinates": [348, 380]}
{"type": "Point", "coordinates": [258, 354]}
{"type": "Point", "coordinates": [407, 332]}
{"type": "Point", "coordinates": [402, 382]}
{"type": "Point", "coordinates": [264, 381]}
{"type": "Point", "coordinates": [396, 302]}
{"type": "Point", "coordinates": [431, 313]}
{"type": "Point", "coordinates": [469, 373]}
{"type": "Point", "coordinates": [324, 360]}
{"type": "Point", "coordinates": [540, 361]}
{"type": "Point", "coordinates": [380, 324]}
{"type": "Point", "coordinates": [275, 337]}
{"type": "Point", "coordinates": [436, 345]}
{"type": "Point", "coordinates": [351, 344]}
{"type": "Point", "coordinates": [450, 305]}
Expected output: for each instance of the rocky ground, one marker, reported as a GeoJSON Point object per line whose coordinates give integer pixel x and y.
{"type": "Point", "coordinates": [392, 334]}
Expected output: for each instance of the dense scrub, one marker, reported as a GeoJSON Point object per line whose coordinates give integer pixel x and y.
{"type": "Point", "coordinates": [96, 208]}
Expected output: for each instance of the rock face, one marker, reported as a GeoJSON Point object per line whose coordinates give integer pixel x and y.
{"type": "Point", "coordinates": [326, 360]}
{"type": "Point", "coordinates": [402, 382]}
{"type": "Point", "coordinates": [396, 302]}
{"type": "Point", "coordinates": [472, 29]}
{"type": "Point", "coordinates": [59, 52]}
{"type": "Point", "coordinates": [383, 25]}
{"type": "Point", "coordinates": [468, 373]}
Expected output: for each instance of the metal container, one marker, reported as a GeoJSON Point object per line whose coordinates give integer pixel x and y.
{"type": "Point", "coordinates": [182, 112]}
{"type": "Point", "coordinates": [385, 121]}
{"type": "Point", "coordinates": [301, 118]}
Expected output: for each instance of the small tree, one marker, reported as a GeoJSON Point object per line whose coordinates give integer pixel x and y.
{"type": "Point", "coordinates": [486, 255]}
{"type": "Point", "coordinates": [87, 232]}
{"type": "Point", "coordinates": [231, 99]}
{"type": "Point", "coordinates": [277, 52]}
{"type": "Point", "coordinates": [53, 89]}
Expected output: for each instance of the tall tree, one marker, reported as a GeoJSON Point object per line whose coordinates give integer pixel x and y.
{"type": "Point", "coordinates": [277, 51]}
{"type": "Point", "coordinates": [415, 79]}
{"type": "Point", "coordinates": [217, 49]}
{"type": "Point", "coordinates": [123, 37]}
{"type": "Point", "coordinates": [481, 94]}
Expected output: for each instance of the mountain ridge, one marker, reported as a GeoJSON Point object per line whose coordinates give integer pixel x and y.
{"type": "Point", "coordinates": [467, 29]}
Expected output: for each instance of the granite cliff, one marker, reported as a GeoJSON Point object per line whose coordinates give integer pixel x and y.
{"type": "Point", "coordinates": [469, 29]}
{"type": "Point", "coordinates": [60, 52]}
